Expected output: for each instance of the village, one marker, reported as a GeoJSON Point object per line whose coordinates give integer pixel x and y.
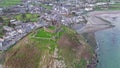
{"type": "Point", "coordinates": [68, 13]}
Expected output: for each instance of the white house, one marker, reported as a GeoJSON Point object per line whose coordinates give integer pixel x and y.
{"type": "Point", "coordinates": [101, 3]}
{"type": "Point", "coordinates": [88, 8]}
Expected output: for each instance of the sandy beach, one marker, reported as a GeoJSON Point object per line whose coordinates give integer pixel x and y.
{"type": "Point", "coordinates": [94, 23]}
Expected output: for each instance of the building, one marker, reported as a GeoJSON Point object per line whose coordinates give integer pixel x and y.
{"type": "Point", "coordinates": [1, 9]}
{"type": "Point", "coordinates": [1, 43]}
{"type": "Point", "coordinates": [7, 28]}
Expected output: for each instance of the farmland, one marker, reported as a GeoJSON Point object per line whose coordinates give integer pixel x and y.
{"type": "Point", "coordinates": [8, 3]}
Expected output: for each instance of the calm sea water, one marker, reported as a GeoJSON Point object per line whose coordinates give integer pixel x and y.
{"type": "Point", "coordinates": [109, 46]}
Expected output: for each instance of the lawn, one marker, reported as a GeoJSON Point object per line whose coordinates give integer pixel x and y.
{"type": "Point", "coordinates": [43, 38]}
{"type": "Point", "coordinates": [8, 3]}
{"type": "Point", "coordinates": [44, 34]}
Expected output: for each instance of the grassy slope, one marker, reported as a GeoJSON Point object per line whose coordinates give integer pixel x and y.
{"type": "Point", "coordinates": [6, 3]}
{"type": "Point", "coordinates": [38, 53]}
{"type": "Point", "coordinates": [77, 52]}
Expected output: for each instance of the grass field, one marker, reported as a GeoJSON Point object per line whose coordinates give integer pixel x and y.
{"type": "Point", "coordinates": [8, 3]}
{"type": "Point", "coordinates": [44, 34]}
{"type": "Point", "coordinates": [49, 33]}
{"type": "Point", "coordinates": [28, 17]}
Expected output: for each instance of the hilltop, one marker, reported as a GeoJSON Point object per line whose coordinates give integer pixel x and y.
{"type": "Point", "coordinates": [50, 47]}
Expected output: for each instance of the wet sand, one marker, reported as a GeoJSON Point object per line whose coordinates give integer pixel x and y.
{"type": "Point", "coordinates": [95, 24]}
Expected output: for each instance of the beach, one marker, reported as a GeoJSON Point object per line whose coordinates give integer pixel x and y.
{"type": "Point", "coordinates": [96, 23]}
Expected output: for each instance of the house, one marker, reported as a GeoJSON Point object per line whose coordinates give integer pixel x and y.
{"type": "Point", "coordinates": [1, 43]}
{"type": "Point", "coordinates": [1, 10]}
{"type": "Point", "coordinates": [101, 3]}
{"type": "Point", "coordinates": [15, 22]}
{"type": "Point", "coordinates": [7, 28]}
{"type": "Point", "coordinates": [20, 31]}
{"type": "Point", "coordinates": [88, 8]}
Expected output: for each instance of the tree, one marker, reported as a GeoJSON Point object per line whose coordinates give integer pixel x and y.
{"type": "Point", "coordinates": [1, 20]}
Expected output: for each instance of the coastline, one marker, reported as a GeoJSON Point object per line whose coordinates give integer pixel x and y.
{"type": "Point", "coordinates": [95, 23]}
{"type": "Point", "coordinates": [92, 42]}
{"type": "Point", "coordinates": [93, 26]}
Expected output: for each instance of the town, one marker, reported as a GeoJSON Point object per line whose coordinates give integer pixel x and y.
{"type": "Point", "coordinates": [69, 13]}
{"type": "Point", "coordinates": [49, 13]}
{"type": "Point", "coordinates": [59, 33]}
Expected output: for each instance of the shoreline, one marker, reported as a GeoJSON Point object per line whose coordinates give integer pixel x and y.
{"type": "Point", "coordinates": [90, 37]}
{"type": "Point", "coordinates": [89, 33]}
{"type": "Point", "coordinates": [95, 23]}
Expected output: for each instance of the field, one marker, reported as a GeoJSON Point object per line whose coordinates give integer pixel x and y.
{"type": "Point", "coordinates": [27, 17]}
{"type": "Point", "coordinates": [7, 3]}
{"type": "Point", "coordinates": [43, 34]}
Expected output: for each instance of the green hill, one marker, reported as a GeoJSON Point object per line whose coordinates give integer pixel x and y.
{"type": "Point", "coordinates": [50, 48]}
